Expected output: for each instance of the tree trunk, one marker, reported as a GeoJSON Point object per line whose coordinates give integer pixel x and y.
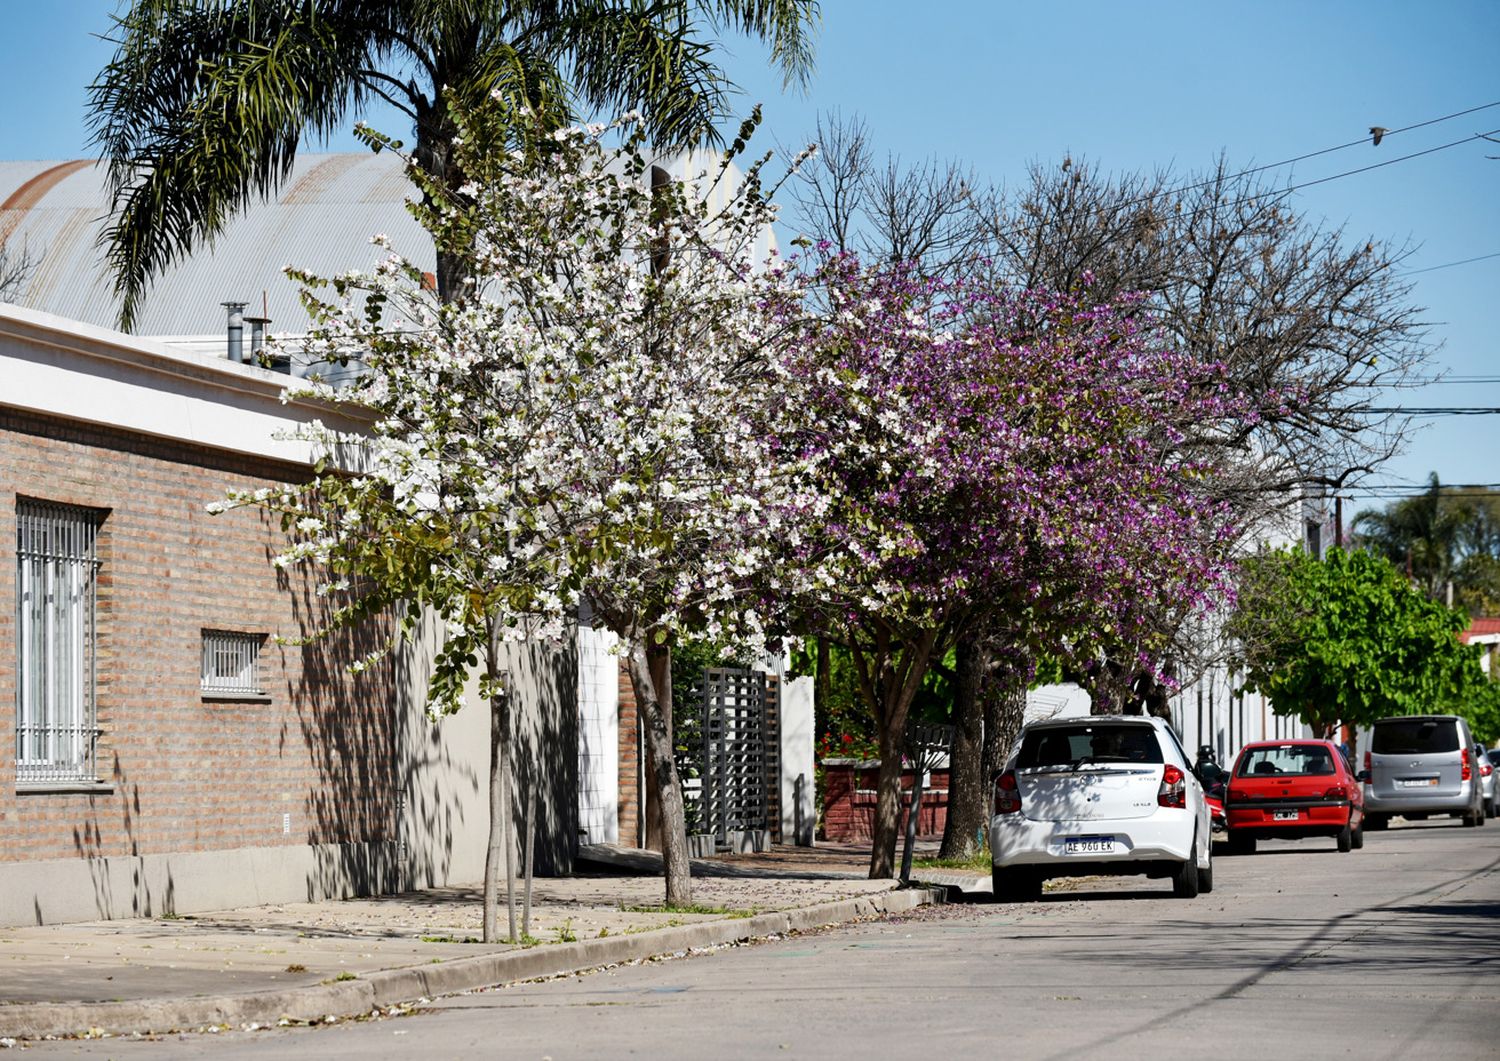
{"type": "Point", "coordinates": [1004, 712]}
{"type": "Point", "coordinates": [496, 852]}
{"type": "Point", "coordinates": [662, 772]}
{"type": "Point", "coordinates": [968, 784]}
{"type": "Point", "coordinates": [434, 154]}
{"type": "Point", "coordinates": [659, 659]}
{"type": "Point", "coordinates": [889, 685]}
{"type": "Point", "coordinates": [887, 801]}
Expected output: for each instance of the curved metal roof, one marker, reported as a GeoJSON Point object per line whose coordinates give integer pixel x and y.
{"type": "Point", "coordinates": [321, 220]}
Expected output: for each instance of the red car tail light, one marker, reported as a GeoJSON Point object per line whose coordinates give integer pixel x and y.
{"type": "Point", "coordinates": [1173, 790]}
{"type": "Point", "coordinates": [1340, 792]}
{"type": "Point", "coordinates": [1007, 793]}
{"type": "Point", "coordinates": [1467, 773]}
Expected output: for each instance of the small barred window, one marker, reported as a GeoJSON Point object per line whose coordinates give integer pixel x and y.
{"type": "Point", "coordinates": [231, 663]}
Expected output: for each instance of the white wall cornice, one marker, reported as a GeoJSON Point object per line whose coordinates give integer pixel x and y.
{"type": "Point", "coordinates": [76, 371]}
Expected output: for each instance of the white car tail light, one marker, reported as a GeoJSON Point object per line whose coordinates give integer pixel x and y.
{"type": "Point", "coordinates": [1173, 790]}
{"type": "Point", "coordinates": [1007, 793]}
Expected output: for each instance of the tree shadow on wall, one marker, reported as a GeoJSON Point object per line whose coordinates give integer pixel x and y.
{"type": "Point", "coordinates": [88, 843]}
{"type": "Point", "coordinates": [388, 796]}
{"type": "Point", "coordinates": [545, 750]}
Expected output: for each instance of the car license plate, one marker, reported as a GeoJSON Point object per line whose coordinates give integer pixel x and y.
{"type": "Point", "coordinates": [1089, 845]}
{"type": "Point", "coordinates": [1416, 782]}
{"type": "Point", "coordinates": [1284, 816]}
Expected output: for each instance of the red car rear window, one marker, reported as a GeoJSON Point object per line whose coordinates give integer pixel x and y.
{"type": "Point", "coordinates": [1282, 760]}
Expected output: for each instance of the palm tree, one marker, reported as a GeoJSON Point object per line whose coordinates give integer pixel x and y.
{"type": "Point", "coordinates": [1428, 536]}
{"type": "Point", "coordinates": [205, 102]}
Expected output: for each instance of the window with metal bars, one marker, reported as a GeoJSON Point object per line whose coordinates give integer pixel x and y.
{"type": "Point", "coordinates": [56, 585]}
{"type": "Point", "coordinates": [231, 664]}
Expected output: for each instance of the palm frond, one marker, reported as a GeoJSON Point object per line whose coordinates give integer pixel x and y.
{"type": "Point", "coordinates": [201, 110]}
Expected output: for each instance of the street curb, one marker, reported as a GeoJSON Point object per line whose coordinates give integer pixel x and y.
{"type": "Point", "coordinates": [389, 987]}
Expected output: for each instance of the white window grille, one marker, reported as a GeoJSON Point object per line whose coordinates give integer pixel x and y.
{"type": "Point", "coordinates": [231, 663]}
{"type": "Point", "coordinates": [56, 577]}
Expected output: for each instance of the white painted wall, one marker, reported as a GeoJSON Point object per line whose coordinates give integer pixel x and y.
{"type": "Point", "coordinates": [798, 802]}
{"type": "Point", "coordinates": [598, 737]}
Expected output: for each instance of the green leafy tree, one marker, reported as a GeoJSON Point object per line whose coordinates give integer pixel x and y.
{"type": "Point", "coordinates": [1348, 639]}
{"type": "Point", "coordinates": [205, 102]}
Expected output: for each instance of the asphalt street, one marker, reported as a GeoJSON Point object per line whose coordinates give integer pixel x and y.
{"type": "Point", "coordinates": [1300, 952]}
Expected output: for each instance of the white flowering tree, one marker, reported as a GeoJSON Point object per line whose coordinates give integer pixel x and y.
{"type": "Point", "coordinates": [594, 419]}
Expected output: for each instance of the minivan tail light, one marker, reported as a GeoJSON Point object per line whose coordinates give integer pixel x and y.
{"type": "Point", "coordinates": [1367, 760]}
{"type": "Point", "coordinates": [1173, 790]}
{"type": "Point", "coordinates": [1007, 793]}
{"type": "Point", "coordinates": [1467, 771]}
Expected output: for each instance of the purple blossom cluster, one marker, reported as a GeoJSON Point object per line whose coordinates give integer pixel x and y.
{"type": "Point", "coordinates": [1012, 452]}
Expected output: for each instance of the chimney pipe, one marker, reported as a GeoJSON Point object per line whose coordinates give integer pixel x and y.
{"type": "Point", "coordinates": [257, 336]}
{"type": "Point", "coordinates": [236, 350]}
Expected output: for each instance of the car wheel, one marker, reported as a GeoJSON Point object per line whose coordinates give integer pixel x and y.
{"type": "Point", "coordinates": [1376, 822]}
{"type": "Point", "coordinates": [1239, 844]}
{"type": "Point", "coordinates": [1346, 839]}
{"type": "Point", "coordinates": [1357, 838]}
{"type": "Point", "coordinates": [1471, 819]}
{"type": "Point", "coordinates": [1016, 885]}
{"type": "Point", "coordinates": [1185, 880]}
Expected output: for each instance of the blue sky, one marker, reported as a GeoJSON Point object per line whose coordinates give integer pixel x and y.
{"type": "Point", "coordinates": [1130, 85]}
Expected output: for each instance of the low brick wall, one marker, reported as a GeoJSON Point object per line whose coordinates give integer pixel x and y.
{"type": "Point", "coordinates": [849, 800]}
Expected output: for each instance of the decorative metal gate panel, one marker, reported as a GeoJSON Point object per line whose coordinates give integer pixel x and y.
{"type": "Point", "coordinates": [735, 755]}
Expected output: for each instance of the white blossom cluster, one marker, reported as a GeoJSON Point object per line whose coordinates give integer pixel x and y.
{"type": "Point", "coordinates": [596, 418]}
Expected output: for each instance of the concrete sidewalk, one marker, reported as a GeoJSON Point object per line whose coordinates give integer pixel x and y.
{"type": "Point", "coordinates": [306, 961]}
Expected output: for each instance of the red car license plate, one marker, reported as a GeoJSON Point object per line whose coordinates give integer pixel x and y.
{"type": "Point", "coordinates": [1285, 816]}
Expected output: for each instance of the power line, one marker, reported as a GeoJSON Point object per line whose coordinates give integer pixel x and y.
{"type": "Point", "coordinates": [1434, 410]}
{"type": "Point", "coordinates": [1391, 161]}
{"type": "Point", "coordinates": [1450, 265]}
{"type": "Point", "coordinates": [1026, 229]}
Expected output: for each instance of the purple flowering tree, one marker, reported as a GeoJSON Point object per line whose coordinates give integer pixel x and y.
{"type": "Point", "coordinates": [995, 456]}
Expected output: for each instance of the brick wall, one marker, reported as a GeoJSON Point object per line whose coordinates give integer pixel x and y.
{"type": "Point", "coordinates": [630, 762]}
{"type": "Point", "coordinates": [849, 801]}
{"type": "Point", "coordinates": [189, 774]}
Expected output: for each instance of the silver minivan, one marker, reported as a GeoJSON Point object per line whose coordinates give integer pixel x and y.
{"type": "Point", "coordinates": [1421, 765]}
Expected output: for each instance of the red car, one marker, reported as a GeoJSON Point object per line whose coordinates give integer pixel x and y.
{"type": "Point", "coordinates": [1287, 790]}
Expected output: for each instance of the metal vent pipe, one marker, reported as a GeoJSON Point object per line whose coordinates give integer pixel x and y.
{"type": "Point", "coordinates": [257, 336]}
{"type": "Point", "coordinates": [236, 350]}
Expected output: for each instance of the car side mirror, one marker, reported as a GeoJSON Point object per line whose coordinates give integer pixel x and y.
{"type": "Point", "coordinates": [1363, 777]}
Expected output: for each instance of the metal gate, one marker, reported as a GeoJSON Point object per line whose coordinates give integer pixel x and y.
{"type": "Point", "coordinates": [732, 756]}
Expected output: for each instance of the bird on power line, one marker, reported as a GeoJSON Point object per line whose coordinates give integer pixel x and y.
{"type": "Point", "coordinates": [1376, 132]}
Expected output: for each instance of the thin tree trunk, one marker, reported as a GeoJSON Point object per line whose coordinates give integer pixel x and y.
{"type": "Point", "coordinates": [496, 849]}
{"type": "Point", "coordinates": [662, 770]}
{"type": "Point", "coordinates": [913, 823]}
{"type": "Point", "coordinates": [968, 788]}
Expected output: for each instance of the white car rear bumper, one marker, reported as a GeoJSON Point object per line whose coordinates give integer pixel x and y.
{"type": "Point", "coordinates": [1166, 835]}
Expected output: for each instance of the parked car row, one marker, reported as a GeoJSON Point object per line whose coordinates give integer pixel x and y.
{"type": "Point", "coordinates": [1117, 795]}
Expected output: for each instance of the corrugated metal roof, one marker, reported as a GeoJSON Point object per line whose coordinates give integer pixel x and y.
{"type": "Point", "coordinates": [322, 221]}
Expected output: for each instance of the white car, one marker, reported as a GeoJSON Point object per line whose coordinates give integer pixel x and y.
{"type": "Point", "coordinates": [1111, 794]}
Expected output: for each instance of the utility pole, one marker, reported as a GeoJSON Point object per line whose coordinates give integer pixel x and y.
{"type": "Point", "coordinates": [1338, 521]}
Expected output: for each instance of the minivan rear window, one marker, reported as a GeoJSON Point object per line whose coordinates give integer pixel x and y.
{"type": "Point", "coordinates": [1401, 736]}
{"type": "Point", "coordinates": [1089, 742]}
